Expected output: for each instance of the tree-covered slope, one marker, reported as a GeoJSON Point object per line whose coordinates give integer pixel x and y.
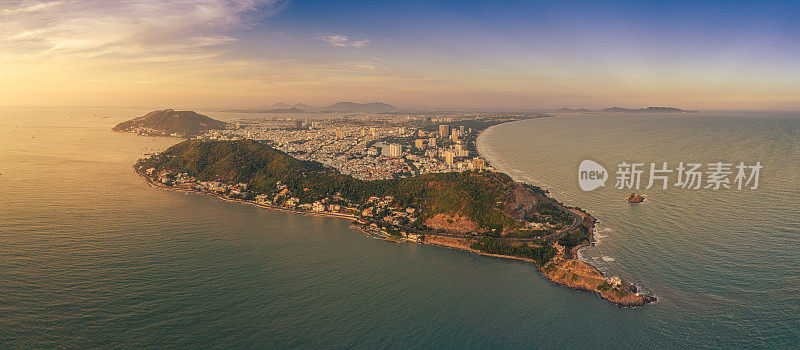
{"type": "Point", "coordinates": [478, 196]}
{"type": "Point", "coordinates": [168, 121]}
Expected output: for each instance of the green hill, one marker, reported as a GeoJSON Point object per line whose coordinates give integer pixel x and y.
{"type": "Point", "coordinates": [486, 199]}
{"type": "Point", "coordinates": [168, 122]}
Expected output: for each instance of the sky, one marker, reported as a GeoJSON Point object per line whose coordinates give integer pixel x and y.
{"type": "Point", "coordinates": [413, 54]}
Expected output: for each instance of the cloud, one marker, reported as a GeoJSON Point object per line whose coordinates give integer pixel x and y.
{"type": "Point", "coordinates": [90, 28]}
{"type": "Point", "coordinates": [341, 40]}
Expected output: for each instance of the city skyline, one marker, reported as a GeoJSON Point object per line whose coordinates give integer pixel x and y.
{"type": "Point", "coordinates": [707, 55]}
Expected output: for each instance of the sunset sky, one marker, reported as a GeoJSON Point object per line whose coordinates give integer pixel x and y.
{"type": "Point", "coordinates": [540, 54]}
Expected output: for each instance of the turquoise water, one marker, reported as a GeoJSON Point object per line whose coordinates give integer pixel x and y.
{"type": "Point", "coordinates": [93, 257]}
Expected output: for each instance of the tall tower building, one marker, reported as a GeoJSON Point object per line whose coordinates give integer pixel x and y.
{"type": "Point", "coordinates": [449, 157]}
{"type": "Point", "coordinates": [444, 131]}
{"type": "Point", "coordinates": [395, 150]}
{"type": "Point", "coordinates": [432, 142]}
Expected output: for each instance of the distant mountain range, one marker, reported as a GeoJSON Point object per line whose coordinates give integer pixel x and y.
{"type": "Point", "coordinates": [648, 110]}
{"type": "Point", "coordinates": [281, 107]}
{"type": "Point", "coordinates": [359, 107]}
{"type": "Point", "coordinates": [169, 122]}
{"type": "Point", "coordinates": [576, 110]}
{"type": "Point", "coordinates": [629, 110]}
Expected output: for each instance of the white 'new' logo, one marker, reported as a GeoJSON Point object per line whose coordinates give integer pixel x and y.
{"type": "Point", "coordinates": [591, 175]}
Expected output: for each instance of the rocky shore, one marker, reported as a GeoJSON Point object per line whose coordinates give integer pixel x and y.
{"type": "Point", "coordinates": [552, 250]}
{"type": "Point", "coordinates": [570, 272]}
{"type": "Point", "coordinates": [567, 272]}
{"type": "Point", "coordinates": [562, 270]}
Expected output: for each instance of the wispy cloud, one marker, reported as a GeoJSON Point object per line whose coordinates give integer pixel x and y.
{"type": "Point", "coordinates": [341, 40]}
{"type": "Point", "coordinates": [89, 28]}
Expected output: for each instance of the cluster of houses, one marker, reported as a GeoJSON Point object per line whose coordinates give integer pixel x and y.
{"type": "Point", "coordinates": [147, 131]}
{"type": "Point", "coordinates": [284, 198]}
{"type": "Point", "coordinates": [379, 215]}
{"type": "Point", "coordinates": [382, 217]}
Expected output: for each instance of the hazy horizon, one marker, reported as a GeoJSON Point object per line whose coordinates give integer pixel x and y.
{"type": "Point", "coordinates": [400, 109]}
{"type": "Point", "coordinates": [415, 55]}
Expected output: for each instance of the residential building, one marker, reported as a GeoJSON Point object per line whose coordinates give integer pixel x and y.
{"type": "Point", "coordinates": [395, 150]}
{"type": "Point", "coordinates": [444, 131]}
{"type": "Point", "coordinates": [449, 157]}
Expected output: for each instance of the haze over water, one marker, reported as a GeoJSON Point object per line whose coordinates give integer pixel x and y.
{"type": "Point", "coordinates": [93, 257]}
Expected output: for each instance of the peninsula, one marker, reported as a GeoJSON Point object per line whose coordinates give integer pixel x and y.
{"type": "Point", "coordinates": [482, 211]}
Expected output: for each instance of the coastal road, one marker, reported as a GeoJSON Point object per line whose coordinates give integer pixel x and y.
{"type": "Point", "coordinates": [578, 216]}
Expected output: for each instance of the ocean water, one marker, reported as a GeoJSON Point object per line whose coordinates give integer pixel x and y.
{"type": "Point", "coordinates": [91, 257]}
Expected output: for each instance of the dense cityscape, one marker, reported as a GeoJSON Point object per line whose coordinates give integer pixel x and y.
{"type": "Point", "coordinates": [374, 148]}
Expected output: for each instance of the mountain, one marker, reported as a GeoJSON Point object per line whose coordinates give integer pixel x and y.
{"type": "Point", "coordinates": [359, 107]}
{"type": "Point", "coordinates": [577, 110]}
{"type": "Point", "coordinates": [170, 122]}
{"type": "Point", "coordinates": [284, 110]}
{"type": "Point", "coordinates": [264, 110]}
{"type": "Point", "coordinates": [280, 105]}
{"type": "Point", "coordinates": [304, 107]}
{"type": "Point", "coordinates": [647, 110]}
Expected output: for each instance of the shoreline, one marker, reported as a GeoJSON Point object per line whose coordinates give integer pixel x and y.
{"type": "Point", "coordinates": [151, 183]}
{"type": "Point", "coordinates": [575, 250]}
{"type": "Point", "coordinates": [562, 270]}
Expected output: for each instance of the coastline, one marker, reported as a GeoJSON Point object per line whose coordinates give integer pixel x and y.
{"type": "Point", "coordinates": [152, 183]}
{"type": "Point", "coordinates": [563, 270]}
{"type": "Point", "coordinates": [565, 277]}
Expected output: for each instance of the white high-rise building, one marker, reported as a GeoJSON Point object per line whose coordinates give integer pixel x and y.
{"type": "Point", "coordinates": [449, 157]}
{"type": "Point", "coordinates": [444, 131]}
{"type": "Point", "coordinates": [395, 150]}
{"type": "Point", "coordinates": [432, 142]}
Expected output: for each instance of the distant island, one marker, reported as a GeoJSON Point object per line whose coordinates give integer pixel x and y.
{"type": "Point", "coordinates": [647, 110]}
{"type": "Point", "coordinates": [480, 211]}
{"type": "Point", "coordinates": [627, 110]}
{"type": "Point", "coordinates": [344, 107]}
{"type": "Point", "coordinates": [170, 122]}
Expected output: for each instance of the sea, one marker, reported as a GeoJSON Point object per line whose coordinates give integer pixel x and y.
{"type": "Point", "coordinates": [92, 257]}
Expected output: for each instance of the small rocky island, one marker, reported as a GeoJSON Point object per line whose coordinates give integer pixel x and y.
{"type": "Point", "coordinates": [170, 122]}
{"type": "Point", "coordinates": [635, 198]}
{"type": "Point", "coordinates": [485, 212]}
